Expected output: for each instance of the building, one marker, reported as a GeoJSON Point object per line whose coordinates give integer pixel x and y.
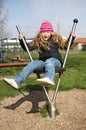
{"type": "Point", "coordinates": [80, 44]}
{"type": "Point", "coordinates": [12, 43]}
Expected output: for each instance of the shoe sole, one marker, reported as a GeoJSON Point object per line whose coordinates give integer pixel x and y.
{"type": "Point", "coordinates": [10, 84]}
{"type": "Point", "coordinates": [44, 84]}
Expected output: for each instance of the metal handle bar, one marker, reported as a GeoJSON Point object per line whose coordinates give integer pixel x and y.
{"type": "Point", "coordinates": [27, 49]}
{"type": "Point", "coordinates": [75, 21]}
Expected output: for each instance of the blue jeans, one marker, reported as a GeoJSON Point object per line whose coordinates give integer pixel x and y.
{"type": "Point", "coordinates": [49, 66]}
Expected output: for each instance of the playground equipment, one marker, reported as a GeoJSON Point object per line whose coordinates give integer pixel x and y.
{"type": "Point", "coordinates": [51, 102]}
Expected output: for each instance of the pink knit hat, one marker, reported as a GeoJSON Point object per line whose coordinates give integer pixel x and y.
{"type": "Point", "coordinates": [46, 26]}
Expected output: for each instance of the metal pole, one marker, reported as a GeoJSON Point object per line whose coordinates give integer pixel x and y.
{"type": "Point", "coordinates": [52, 109]}
{"type": "Point", "coordinates": [65, 59]}
{"type": "Point", "coordinates": [52, 106]}
{"type": "Point", "coordinates": [20, 32]}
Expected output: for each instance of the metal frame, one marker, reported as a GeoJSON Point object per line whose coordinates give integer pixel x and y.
{"type": "Point", "coordinates": [52, 102]}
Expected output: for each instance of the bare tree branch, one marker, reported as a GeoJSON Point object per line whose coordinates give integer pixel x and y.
{"type": "Point", "coordinates": [3, 20]}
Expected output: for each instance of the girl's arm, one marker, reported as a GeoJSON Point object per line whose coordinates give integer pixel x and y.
{"type": "Point", "coordinates": [73, 37]}
{"type": "Point", "coordinates": [22, 43]}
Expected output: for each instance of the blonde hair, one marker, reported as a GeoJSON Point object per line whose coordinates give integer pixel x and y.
{"type": "Point", "coordinates": [38, 41]}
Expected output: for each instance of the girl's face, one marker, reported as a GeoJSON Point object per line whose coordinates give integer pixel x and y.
{"type": "Point", "coordinates": [46, 35]}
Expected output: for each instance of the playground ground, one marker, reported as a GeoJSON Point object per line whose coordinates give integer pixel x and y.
{"type": "Point", "coordinates": [22, 112]}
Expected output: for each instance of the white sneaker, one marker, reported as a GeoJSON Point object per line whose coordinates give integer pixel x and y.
{"type": "Point", "coordinates": [11, 82]}
{"type": "Point", "coordinates": [45, 81]}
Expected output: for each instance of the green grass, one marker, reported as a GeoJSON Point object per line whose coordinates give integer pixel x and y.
{"type": "Point", "coordinates": [45, 110]}
{"type": "Point", "coordinates": [6, 91]}
{"type": "Point", "coordinates": [73, 77]}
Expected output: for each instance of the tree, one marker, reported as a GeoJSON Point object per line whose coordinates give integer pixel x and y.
{"type": "Point", "coordinates": [3, 20]}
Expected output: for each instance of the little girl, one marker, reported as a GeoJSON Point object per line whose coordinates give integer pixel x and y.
{"type": "Point", "coordinates": [47, 42]}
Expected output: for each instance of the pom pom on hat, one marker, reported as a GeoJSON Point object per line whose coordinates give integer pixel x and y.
{"type": "Point", "coordinates": [46, 26]}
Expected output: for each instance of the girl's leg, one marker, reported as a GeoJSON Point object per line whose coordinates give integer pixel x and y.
{"type": "Point", "coordinates": [50, 65]}
{"type": "Point", "coordinates": [31, 67]}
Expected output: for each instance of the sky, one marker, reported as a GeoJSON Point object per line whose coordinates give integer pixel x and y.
{"type": "Point", "coordinates": [29, 14]}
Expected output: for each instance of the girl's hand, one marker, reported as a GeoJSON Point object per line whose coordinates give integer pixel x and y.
{"type": "Point", "coordinates": [20, 36]}
{"type": "Point", "coordinates": [73, 34]}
